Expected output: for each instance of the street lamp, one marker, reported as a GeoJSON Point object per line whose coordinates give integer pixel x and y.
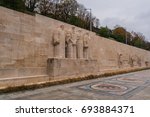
{"type": "Point", "coordinates": [126, 38]}
{"type": "Point", "coordinates": [90, 18]}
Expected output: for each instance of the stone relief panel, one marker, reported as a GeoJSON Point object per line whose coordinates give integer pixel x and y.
{"type": "Point", "coordinates": [131, 60]}
{"type": "Point", "coordinates": [124, 61]}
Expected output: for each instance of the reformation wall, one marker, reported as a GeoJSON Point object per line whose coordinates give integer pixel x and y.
{"type": "Point", "coordinates": [37, 49]}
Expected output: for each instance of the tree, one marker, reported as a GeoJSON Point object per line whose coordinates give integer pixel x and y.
{"type": "Point", "coordinates": [44, 6]}
{"type": "Point", "coordinates": [139, 40]}
{"type": "Point", "coordinates": [86, 16]}
{"type": "Point", "coordinates": [30, 4]}
{"type": "Point", "coordinates": [120, 34]}
{"type": "Point", "coordinates": [14, 4]}
{"type": "Point", "coordinates": [147, 45]}
{"type": "Point", "coordinates": [68, 8]}
{"type": "Point", "coordinates": [81, 12]}
{"type": "Point", "coordinates": [104, 32]}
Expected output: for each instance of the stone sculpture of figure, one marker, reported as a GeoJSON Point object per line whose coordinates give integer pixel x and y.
{"type": "Point", "coordinates": [59, 42]}
{"type": "Point", "coordinates": [146, 63]}
{"type": "Point", "coordinates": [119, 60]}
{"type": "Point", "coordinates": [69, 45]}
{"type": "Point", "coordinates": [74, 42]}
{"type": "Point", "coordinates": [134, 60]}
{"type": "Point", "coordinates": [131, 61]}
{"type": "Point", "coordinates": [56, 43]}
{"type": "Point", "coordinates": [139, 61]}
{"type": "Point", "coordinates": [85, 45]}
{"type": "Point", "coordinates": [79, 44]}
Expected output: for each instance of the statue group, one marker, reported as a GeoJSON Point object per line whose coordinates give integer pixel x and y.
{"type": "Point", "coordinates": [132, 61]}
{"type": "Point", "coordinates": [70, 44]}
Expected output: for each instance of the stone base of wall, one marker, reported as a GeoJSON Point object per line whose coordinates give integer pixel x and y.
{"type": "Point", "coordinates": [22, 81]}
{"type": "Point", "coordinates": [56, 69]}
{"type": "Point", "coordinates": [12, 77]}
{"type": "Point", "coordinates": [22, 72]}
{"type": "Point", "coordinates": [32, 82]}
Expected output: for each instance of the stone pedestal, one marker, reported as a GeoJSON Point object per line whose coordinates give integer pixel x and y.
{"type": "Point", "coordinates": [71, 67]}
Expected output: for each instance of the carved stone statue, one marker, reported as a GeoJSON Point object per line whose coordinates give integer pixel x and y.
{"type": "Point", "coordinates": [58, 41]}
{"type": "Point", "coordinates": [69, 45]}
{"type": "Point", "coordinates": [85, 45]}
{"type": "Point", "coordinates": [79, 44]}
{"type": "Point", "coordinates": [139, 61]}
{"type": "Point", "coordinates": [134, 60]}
{"type": "Point", "coordinates": [146, 63]}
{"type": "Point", "coordinates": [131, 61]}
{"type": "Point", "coordinates": [74, 42]}
{"type": "Point", "coordinates": [119, 60]}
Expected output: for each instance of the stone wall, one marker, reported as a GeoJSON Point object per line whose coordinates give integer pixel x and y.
{"type": "Point", "coordinates": [62, 68]}
{"type": "Point", "coordinates": [41, 49]}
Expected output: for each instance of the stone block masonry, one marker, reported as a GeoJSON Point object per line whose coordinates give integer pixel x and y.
{"type": "Point", "coordinates": [59, 68]}
{"type": "Point", "coordinates": [37, 49]}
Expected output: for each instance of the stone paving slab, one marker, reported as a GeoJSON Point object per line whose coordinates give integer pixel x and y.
{"type": "Point", "coordinates": [129, 86]}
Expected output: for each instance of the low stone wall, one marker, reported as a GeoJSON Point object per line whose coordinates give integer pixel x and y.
{"type": "Point", "coordinates": [40, 49]}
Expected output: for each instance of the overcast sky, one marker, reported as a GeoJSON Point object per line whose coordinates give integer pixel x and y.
{"type": "Point", "coordinates": [131, 14]}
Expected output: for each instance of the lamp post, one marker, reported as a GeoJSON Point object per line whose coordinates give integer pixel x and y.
{"type": "Point", "coordinates": [126, 38]}
{"type": "Point", "coordinates": [90, 18]}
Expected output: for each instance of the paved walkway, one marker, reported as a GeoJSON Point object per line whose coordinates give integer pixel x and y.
{"type": "Point", "coordinates": [127, 86]}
